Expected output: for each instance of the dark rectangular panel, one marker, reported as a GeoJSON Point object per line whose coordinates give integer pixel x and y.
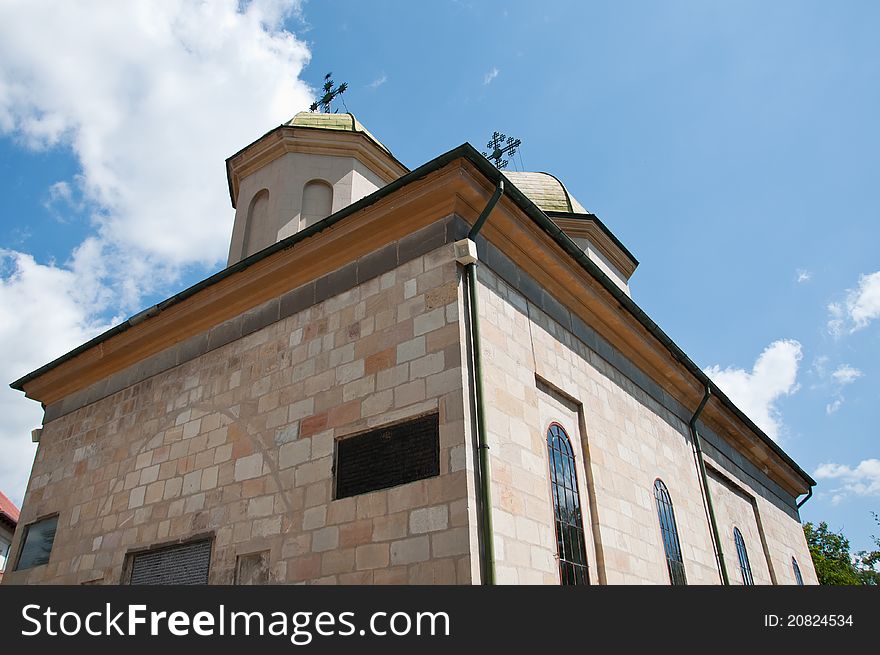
{"type": "Point", "coordinates": [185, 564]}
{"type": "Point", "coordinates": [388, 456]}
{"type": "Point", "coordinates": [38, 542]}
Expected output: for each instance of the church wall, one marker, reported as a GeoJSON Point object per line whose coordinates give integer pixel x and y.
{"type": "Point", "coordinates": [628, 438]}
{"type": "Point", "coordinates": [734, 508]}
{"type": "Point", "coordinates": [237, 444]}
{"type": "Point", "coordinates": [285, 179]}
{"type": "Point", "coordinates": [631, 441]}
{"type": "Point", "coordinates": [602, 262]}
{"type": "Point", "coordinates": [786, 541]}
{"type": "Point", "coordinates": [230, 434]}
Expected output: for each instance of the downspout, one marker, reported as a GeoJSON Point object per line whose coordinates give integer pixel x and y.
{"type": "Point", "coordinates": [806, 498]}
{"type": "Point", "coordinates": [485, 483]}
{"type": "Point", "coordinates": [698, 449]}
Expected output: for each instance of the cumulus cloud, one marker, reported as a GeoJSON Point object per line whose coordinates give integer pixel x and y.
{"type": "Point", "coordinates": [858, 308]}
{"type": "Point", "coordinates": [756, 392]}
{"type": "Point", "coordinates": [846, 374]}
{"type": "Point", "coordinates": [842, 376]}
{"type": "Point", "coordinates": [150, 97]}
{"type": "Point", "coordinates": [491, 75]}
{"type": "Point", "coordinates": [803, 276]}
{"type": "Point", "coordinates": [863, 480]}
{"type": "Point", "coordinates": [44, 313]}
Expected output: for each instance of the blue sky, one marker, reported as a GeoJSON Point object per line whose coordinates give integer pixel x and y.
{"type": "Point", "coordinates": [733, 147]}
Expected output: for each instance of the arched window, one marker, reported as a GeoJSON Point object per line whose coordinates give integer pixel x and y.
{"type": "Point", "coordinates": [256, 230]}
{"type": "Point", "coordinates": [567, 509]}
{"type": "Point", "coordinates": [317, 202]}
{"type": "Point", "coordinates": [744, 566]}
{"type": "Point", "coordinates": [669, 532]}
{"type": "Point", "coordinates": [797, 572]}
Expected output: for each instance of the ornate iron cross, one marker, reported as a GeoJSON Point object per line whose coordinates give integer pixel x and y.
{"type": "Point", "coordinates": [499, 146]}
{"type": "Point", "coordinates": [330, 94]}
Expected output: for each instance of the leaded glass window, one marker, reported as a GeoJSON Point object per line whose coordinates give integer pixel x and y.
{"type": "Point", "coordinates": [570, 542]}
{"type": "Point", "coordinates": [744, 566]}
{"type": "Point", "coordinates": [669, 532]}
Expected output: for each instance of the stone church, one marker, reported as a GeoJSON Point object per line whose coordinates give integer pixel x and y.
{"type": "Point", "coordinates": [429, 376]}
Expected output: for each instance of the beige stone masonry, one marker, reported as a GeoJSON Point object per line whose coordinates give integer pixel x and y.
{"type": "Point", "coordinates": [239, 443]}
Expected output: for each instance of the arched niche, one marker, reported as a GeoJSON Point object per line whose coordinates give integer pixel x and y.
{"type": "Point", "coordinates": [317, 202]}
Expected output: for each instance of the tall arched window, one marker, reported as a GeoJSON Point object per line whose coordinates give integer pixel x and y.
{"type": "Point", "coordinates": [317, 202]}
{"type": "Point", "coordinates": [797, 572]}
{"type": "Point", "coordinates": [744, 565]}
{"type": "Point", "coordinates": [567, 509]}
{"type": "Point", "coordinates": [669, 531]}
{"type": "Point", "coordinates": [257, 232]}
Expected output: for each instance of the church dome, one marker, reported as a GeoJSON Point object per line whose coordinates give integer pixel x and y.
{"type": "Point", "coordinates": [341, 122]}
{"type": "Point", "coordinates": [546, 191]}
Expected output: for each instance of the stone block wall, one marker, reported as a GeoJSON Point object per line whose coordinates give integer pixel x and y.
{"type": "Point", "coordinates": [624, 439]}
{"type": "Point", "coordinates": [238, 444]}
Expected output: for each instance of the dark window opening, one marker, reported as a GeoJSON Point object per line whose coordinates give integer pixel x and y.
{"type": "Point", "coordinates": [797, 572]}
{"type": "Point", "coordinates": [669, 532]}
{"type": "Point", "coordinates": [38, 540]}
{"type": "Point", "coordinates": [570, 543]}
{"type": "Point", "coordinates": [388, 456]}
{"type": "Point", "coordinates": [744, 566]}
{"type": "Point", "coordinates": [182, 564]}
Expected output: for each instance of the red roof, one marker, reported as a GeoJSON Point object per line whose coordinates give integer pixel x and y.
{"type": "Point", "coordinates": [8, 508]}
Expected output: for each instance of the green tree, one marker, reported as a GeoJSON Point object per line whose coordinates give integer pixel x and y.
{"type": "Point", "coordinates": [831, 556]}
{"type": "Point", "coordinates": [868, 562]}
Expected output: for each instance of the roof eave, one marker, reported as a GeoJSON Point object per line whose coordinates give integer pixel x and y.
{"type": "Point", "coordinates": [284, 126]}
{"type": "Point", "coordinates": [466, 151]}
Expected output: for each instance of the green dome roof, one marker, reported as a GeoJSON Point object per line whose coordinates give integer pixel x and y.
{"type": "Point", "coordinates": [546, 191]}
{"type": "Point", "coordinates": [341, 122]}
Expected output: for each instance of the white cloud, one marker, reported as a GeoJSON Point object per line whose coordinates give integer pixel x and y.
{"type": "Point", "coordinates": [150, 97]}
{"type": "Point", "coordinates": [44, 313]}
{"type": "Point", "coordinates": [491, 75]}
{"type": "Point", "coordinates": [846, 374]}
{"type": "Point", "coordinates": [834, 405]}
{"type": "Point", "coordinates": [803, 276]}
{"type": "Point", "coordinates": [863, 480]}
{"type": "Point", "coordinates": [60, 192]}
{"type": "Point", "coordinates": [819, 367]}
{"type": "Point", "coordinates": [379, 81]}
{"type": "Point", "coordinates": [64, 199]}
{"type": "Point", "coordinates": [841, 377]}
{"type": "Point", "coordinates": [773, 376]}
{"type": "Point", "coordinates": [859, 307]}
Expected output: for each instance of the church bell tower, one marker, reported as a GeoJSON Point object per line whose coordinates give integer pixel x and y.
{"type": "Point", "coordinates": [299, 173]}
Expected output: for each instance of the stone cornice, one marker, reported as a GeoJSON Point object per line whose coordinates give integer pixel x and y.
{"type": "Point", "coordinates": [587, 228]}
{"type": "Point", "coordinates": [457, 187]}
{"type": "Point", "coordinates": [315, 141]}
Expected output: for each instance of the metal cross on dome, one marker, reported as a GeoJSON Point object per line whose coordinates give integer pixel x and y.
{"type": "Point", "coordinates": [499, 146]}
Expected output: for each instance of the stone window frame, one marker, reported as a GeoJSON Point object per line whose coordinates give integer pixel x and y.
{"type": "Point", "coordinates": [798, 578]}
{"type": "Point", "coordinates": [24, 536]}
{"type": "Point", "coordinates": [334, 471]}
{"type": "Point", "coordinates": [582, 567]}
{"type": "Point", "coordinates": [128, 563]}
{"type": "Point", "coordinates": [745, 567]}
{"type": "Point", "coordinates": [4, 556]}
{"type": "Point", "coordinates": [669, 533]}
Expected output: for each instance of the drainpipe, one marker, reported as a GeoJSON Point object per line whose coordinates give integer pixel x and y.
{"type": "Point", "coordinates": [806, 498]}
{"type": "Point", "coordinates": [698, 448]}
{"type": "Point", "coordinates": [466, 251]}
